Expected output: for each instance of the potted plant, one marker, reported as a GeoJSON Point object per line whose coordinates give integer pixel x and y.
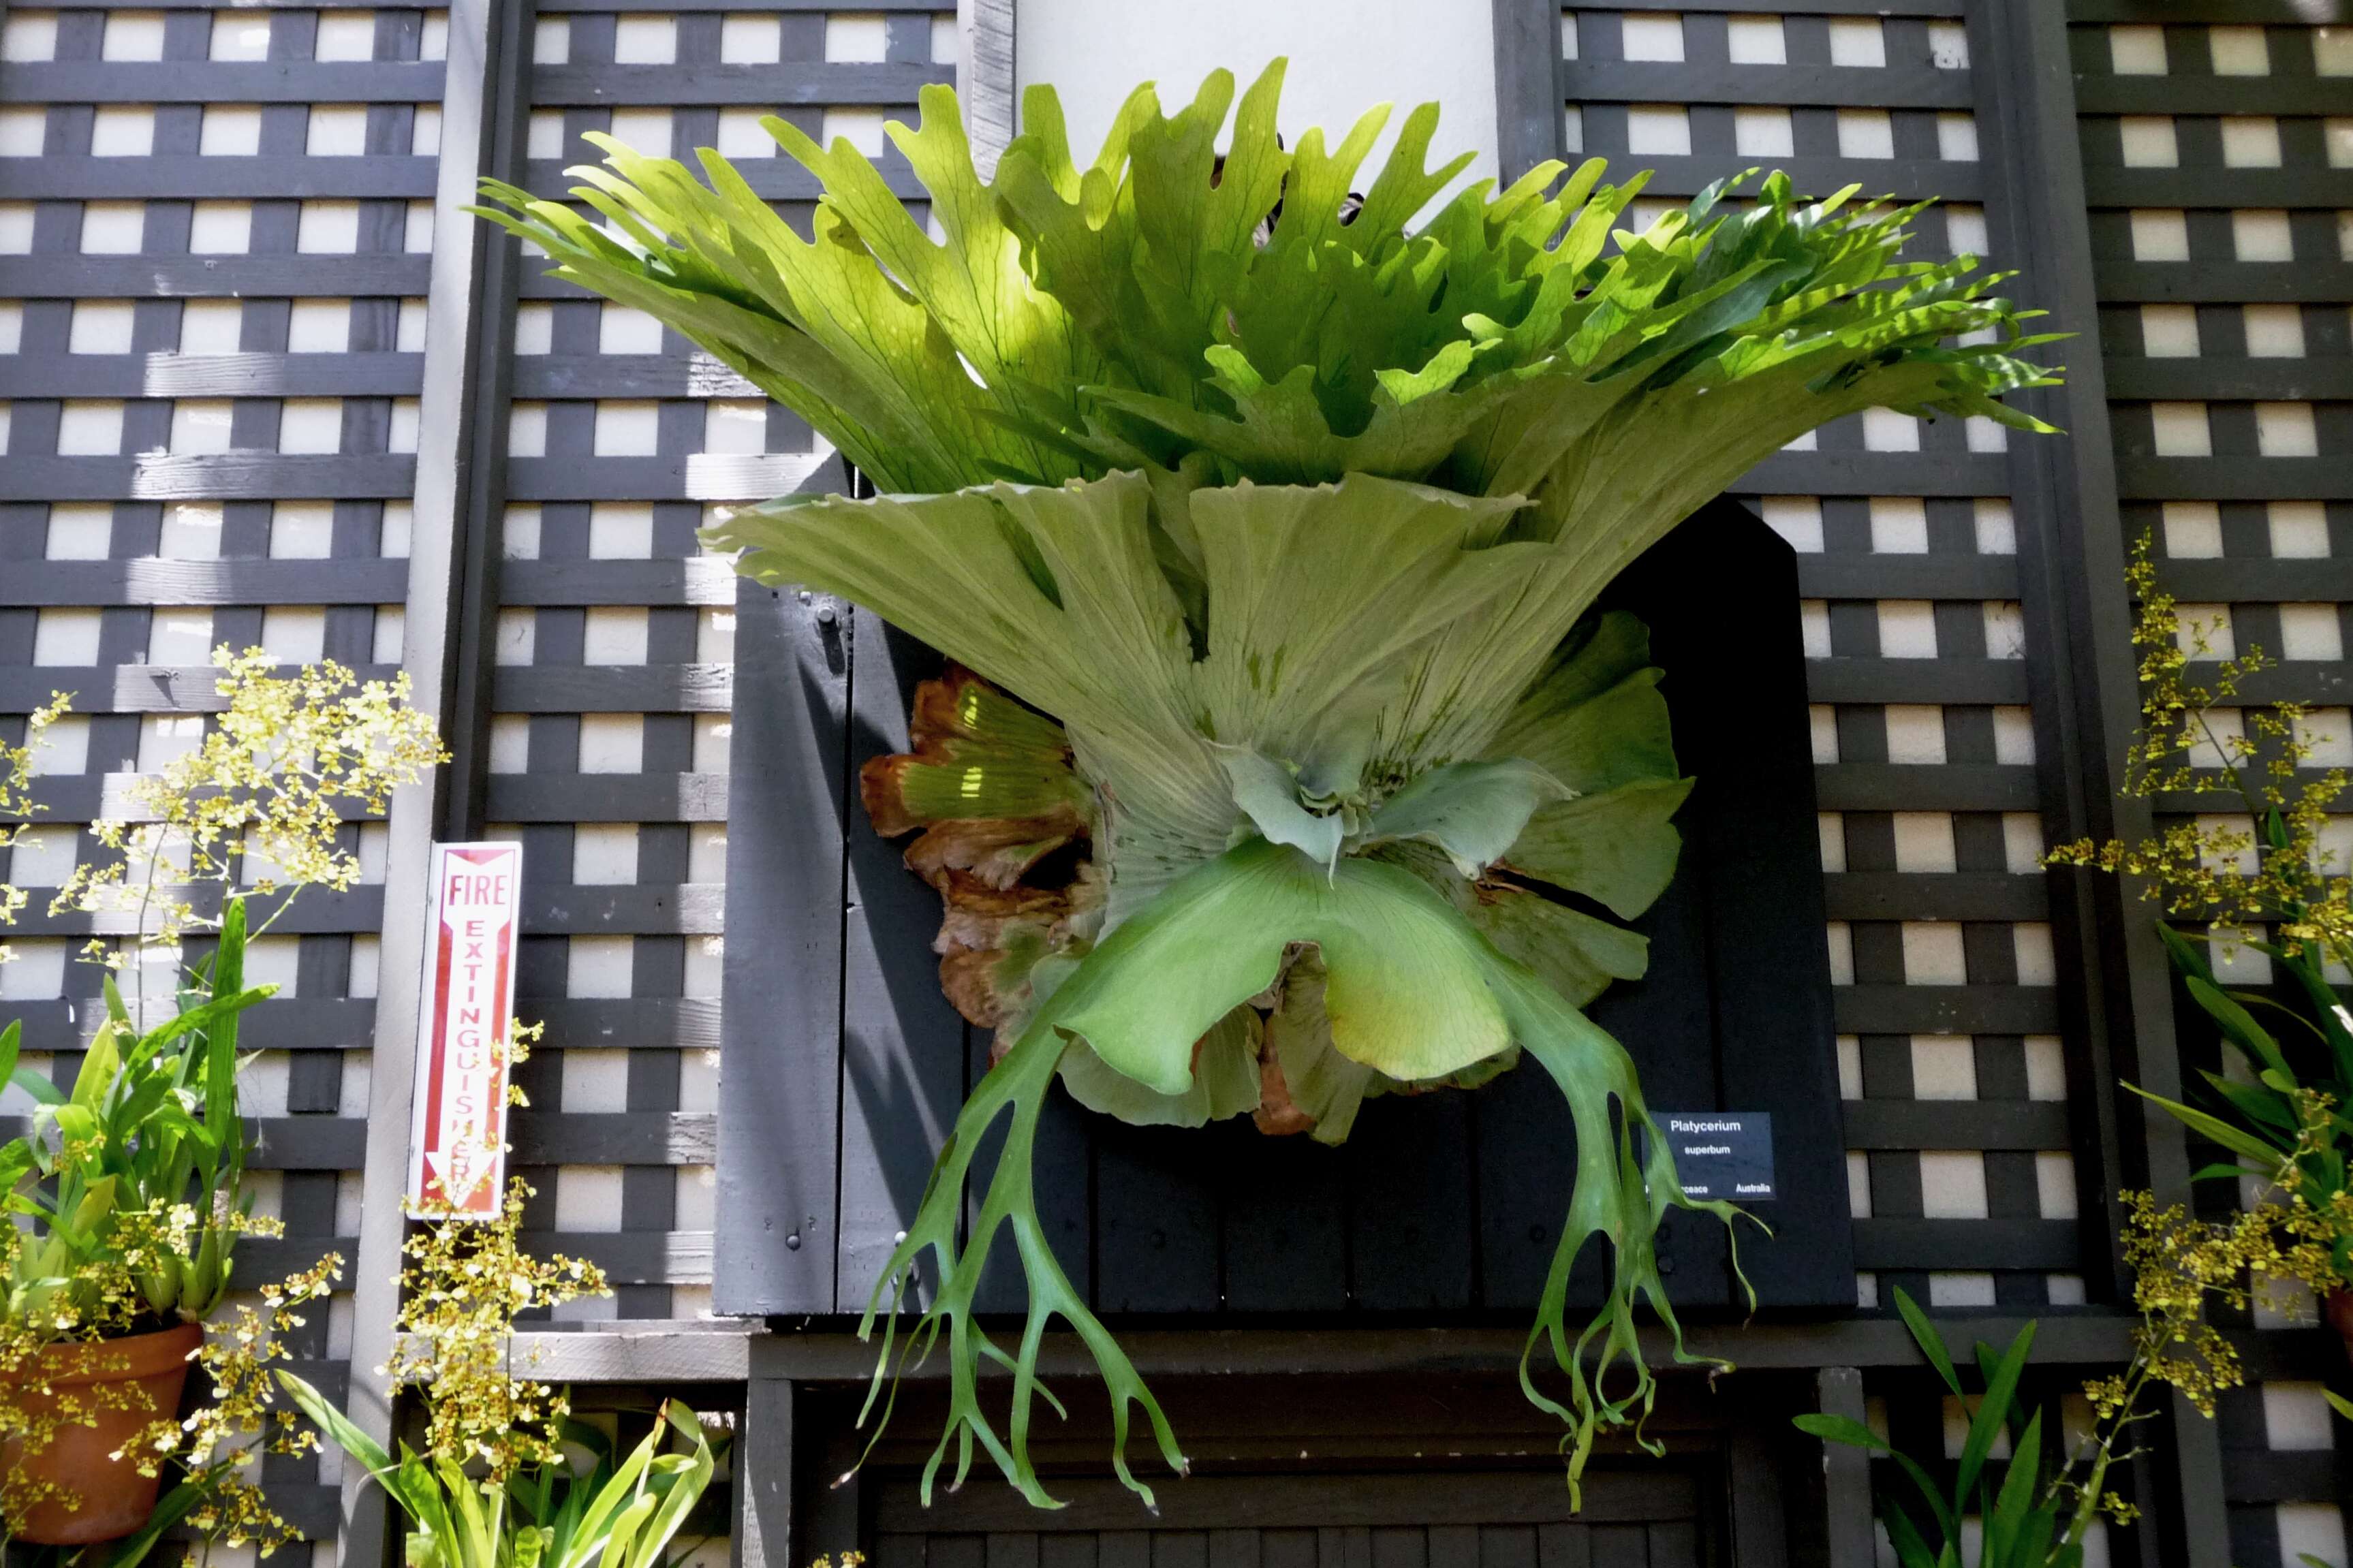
{"type": "Point", "coordinates": [126, 1190]}
{"type": "Point", "coordinates": [1285, 762]}
{"type": "Point", "coordinates": [2038, 1508]}
{"type": "Point", "coordinates": [507, 1478]}
{"type": "Point", "coordinates": [2264, 859]}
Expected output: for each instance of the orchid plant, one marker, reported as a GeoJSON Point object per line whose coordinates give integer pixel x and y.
{"type": "Point", "coordinates": [1285, 762]}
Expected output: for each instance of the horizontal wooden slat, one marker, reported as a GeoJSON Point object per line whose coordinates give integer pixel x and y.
{"type": "Point", "coordinates": [1657, 1492]}
{"type": "Point", "coordinates": [1905, 179]}
{"type": "Point", "coordinates": [776, 178]}
{"type": "Point", "coordinates": [2319, 280]}
{"type": "Point", "coordinates": [260, 1261]}
{"type": "Point", "coordinates": [318, 910]}
{"type": "Point", "coordinates": [1876, 474]}
{"type": "Point", "coordinates": [634, 1258]}
{"type": "Point", "coordinates": [2272, 1475]}
{"type": "Point", "coordinates": [683, 1023]}
{"type": "Point", "coordinates": [2300, 187]}
{"type": "Point", "coordinates": [2230, 479]}
{"type": "Point", "coordinates": [2230, 380]}
{"type": "Point", "coordinates": [222, 81]}
{"type": "Point", "coordinates": [85, 797]}
{"type": "Point", "coordinates": [1946, 896]}
{"type": "Point", "coordinates": [1957, 1244]}
{"type": "Point", "coordinates": [2240, 580]}
{"type": "Point", "coordinates": [691, 85]}
{"type": "Point", "coordinates": [1707, 81]}
{"type": "Point", "coordinates": [282, 1143]}
{"type": "Point", "coordinates": [154, 580]}
{"type": "Point", "coordinates": [654, 911]}
{"type": "Point", "coordinates": [692, 476]}
{"type": "Point", "coordinates": [2184, 94]}
{"type": "Point", "coordinates": [372, 275]}
{"type": "Point", "coordinates": [697, 580]}
{"type": "Point", "coordinates": [1952, 786]}
{"type": "Point", "coordinates": [1813, 7]}
{"type": "Point", "coordinates": [1956, 1124]}
{"type": "Point", "coordinates": [628, 375]}
{"type": "Point", "coordinates": [607, 797]}
{"type": "Point", "coordinates": [1944, 1009]}
{"type": "Point", "coordinates": [280, 1024]}
{"type": "Point", "coordinates": [1984, 681]}
{"type": "Point", "coordinates": [215, 375]}
{"type": "Point", "coordinates": [614, 689]}
{"type": "Point", "coordinates": [373, 178]}
{"type": "Point", "coordinates": [1874, 576]}
{"type": "Point", "coordinates": [226, 476]}
{"type": "Point", "coordinates": [129, 688]}
{"type": "Point", "coordinates": [625, 1138]}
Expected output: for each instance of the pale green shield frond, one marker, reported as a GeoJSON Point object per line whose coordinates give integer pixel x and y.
{"type": "Point", "coordinates": [1322, 1083]}
{"type": "Point", "coordinates": [1318, 596]}
{"type": "Point", "coordinates": [1225, 1080]}
{"type": "Point", "coordinates": [1595, 719]}
{"type": "Point", "coordinates": [1575, 953]}
{"type": "Point", "coordinates": [1618, 847]}
{"type": "Point", "coordinates": [1473, 811]}
{"type": "Point", "coordinates": [1267, 794]}
{"type": "Point", "coordinates": [1403, 990]}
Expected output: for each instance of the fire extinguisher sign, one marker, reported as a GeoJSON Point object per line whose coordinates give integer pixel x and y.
{"type": "Point", "coordinates": [457, 1145]}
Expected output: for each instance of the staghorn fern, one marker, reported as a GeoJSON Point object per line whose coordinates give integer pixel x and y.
{"type": "Point", "coordinates": [1291, 518]}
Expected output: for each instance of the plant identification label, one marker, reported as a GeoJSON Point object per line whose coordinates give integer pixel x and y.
{"type": "Point", "coordinates": [457, 1141]}
{"type": "Point", "coordinates": [1721, 1153]}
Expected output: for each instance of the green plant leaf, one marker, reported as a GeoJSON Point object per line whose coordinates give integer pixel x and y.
{"type": "Point", "coordinates": [1619, 848]}
{"type": "Point", "coordinates": [1925, 1335]}
{"type": "Point", "coordinates": [1225, 1080]}
{"type": "Point", "coordinates": [1473, 811]}
{"type": "Point", "coordinates": [1403, 989]}
{"type": "Point", "coordinates": [1267, 794]}
{"type": "Point", "coordinates": [1840, 1429]}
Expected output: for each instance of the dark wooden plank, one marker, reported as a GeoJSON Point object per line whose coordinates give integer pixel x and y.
{"type": "Point", "coordinates": [1620, 1546]}
{"type": "Point", "coordinates": [222, 81]}
{"type": "Point", "coordinates": [1935, 896]}
{"type": "Point", "coordinates": [1768, 1003]}
{"type": "Point", "coordinates": [1285, 1232]}
{"type": "Point", "coordinates": [1411, 1165]}
{"type": "Point", "coordinates": [1564, 1546]}
{"type": "Point", "coordinates": [214, 375]}
{"type": "Point", "coordinates": [1286, 1549]}
{"type": "Point", "coordinates": [1156, 1239]}
{"type": "Point", "coordinates": [228, 476]}
{"type": "Point", "coordinates": [607, 797]}
{"type": "Point", "coordinates": [616, 688]}
{"type": "Point", "coordinates": [1956, 1124]}
{"type": "Point", "coordinates": [1875, 576]}
{"type": "Point", "coordinates": [1918, 86]}
{"type": "Point", "coordinates": [1406, 1546]}
{"type": "Point", "coordinates": [1945, 1010]}
{"type": "Point", "coordinates": [375, 275]}
{"type": "Point", "coordinates": [1985, 681]}
{"type": "Point", "coordinates": [1507, 1546]}
{"type": "Point", "coordinates": [690, 84]}
{"type": "Point", "coordinates": [904, 1075]}
{"type": "Point", "coordinates": [1674, 1545]}
{"type": "Point", "coordinates": [615, 1137]}
{"type": "Point", "coordinates": [1899, 787]}
{"type": "Point", "coordinates": [781, 1043]}
{"type": "Point", "coordinates": [697, 580]}
{"type": "Point", "coordinates": [374, 177]}
{"type": "Point", "coordinates": [1965, 1244]}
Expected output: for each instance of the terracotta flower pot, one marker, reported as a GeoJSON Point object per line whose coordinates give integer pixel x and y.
{"type": "Point", "coordinates": [2337, 1312]}
{"type": "Point", "coordinates": [115, 1498]}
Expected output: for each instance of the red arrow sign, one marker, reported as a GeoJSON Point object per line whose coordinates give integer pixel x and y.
{"type": "Point", "coordinates": [457, 1144]}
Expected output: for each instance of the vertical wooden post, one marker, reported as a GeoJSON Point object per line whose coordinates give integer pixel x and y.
{"type": "Point", "coordinates": [1846, 1474]}
{"type": "Point", "coordinates": [486, 59]}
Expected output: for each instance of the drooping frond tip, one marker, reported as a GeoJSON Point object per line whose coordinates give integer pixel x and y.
{"type": "Point", "coordinates": [1281, 313]}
